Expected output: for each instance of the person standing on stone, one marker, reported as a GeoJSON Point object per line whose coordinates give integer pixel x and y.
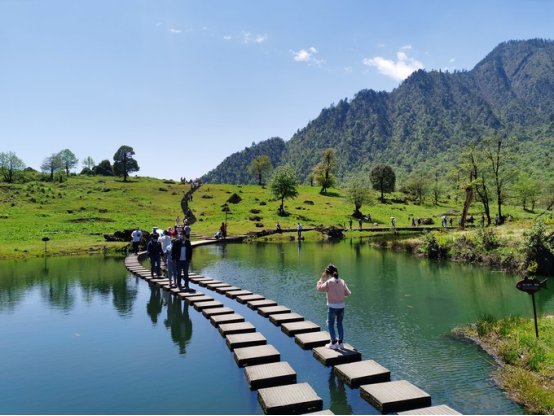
{"type": "Point", "coordinates": [299, 230]}
{"type": "Point", "coordinates": [337, 291]}
{"type": "Point", "coordinates": [136, 236]}
{"type": "Point", "coordinates": [155, 252]}
{"type": "Point", "coordinates": [182, 256]}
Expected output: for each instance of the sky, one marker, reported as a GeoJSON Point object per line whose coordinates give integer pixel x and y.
{"type": "Point", "coordinates": [188, 83]}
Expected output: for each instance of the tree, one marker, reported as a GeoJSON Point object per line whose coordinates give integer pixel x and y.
{"type": "Point", "coordinates": [124, 164]}
{"type": "Point", "coordinates": [10, 164]}
{"type": "Point", "coordinates": [499, 151]}
{"type": "Point", "coordinates": [383, 179]}
{"type": "Point", "coordinates": [357, 190]}
{"type": "Point", "coordinates": [88, 162]}
{"type": "Point", "coordinates": [473, 165]}
{"type": "Point", "coordinates": [417, 184]}
{"type": "Point", "coordinates": [284, 185]}
{"type": "Point", "coordinates": [528, 190]}
{"type": "Point", "coordinates": [52, 164]}
{"type": "Point", "coordinates": [68, 159]}
{"type": "Point", "coordinates": [260, 167]}
{"type": "Point", "coordinates": [104, 168]}
{"type": "Point", "coordinates": [324, 171]}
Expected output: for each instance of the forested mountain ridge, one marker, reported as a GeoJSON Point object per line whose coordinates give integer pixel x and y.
{"type": "Point", "coordinates": [427, 120]}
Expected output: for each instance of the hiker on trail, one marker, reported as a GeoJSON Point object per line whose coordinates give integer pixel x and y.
{"type": "Point", "coordinates": [443, 218]}
{"type": "Point", "coordinates": [278, 228]}
{"type": "Point", "coordinates": [165, 240]}
{"type": "Point", "coordinates": [350, 223]}
{"type": "Point", "coordinates": [413, 222]}
{"type": "Point", "coordinates": [393, 222]}
{"type": "Point", "coordinates": [155, 251]}
{"type": "Point", "coordinates": [337, 291]}
{"type": "Point", "coordinates": [369, 217]}
{"type": "Point", "coordinates": [223, 230]}
{"type": "Point", "coordinates": [136, 236]}
{"type": "Point", "coordinates": [186, 228]}
{"type": "Point", "coordinates": [171, 266]}
{"type": "Point", "coordinates": [360, 223]}
{"type": "Point", "coordinates": [182, 255]}
{"type": "Point", "coordinates": [299, 230]}
{"type": "Point", "coordinates": [450, 220]}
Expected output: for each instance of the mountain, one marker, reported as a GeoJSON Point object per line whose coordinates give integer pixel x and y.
{"type": "Point", "coordinates": [426, 120]}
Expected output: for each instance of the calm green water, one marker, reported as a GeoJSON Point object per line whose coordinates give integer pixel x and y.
{"type": "Point", "coordinates": [83, 336]}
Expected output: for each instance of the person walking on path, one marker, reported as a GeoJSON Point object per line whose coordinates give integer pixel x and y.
{"type": "Point", "coordinates": [350, 223]}
{"type": "Point", "coordinates": [299, 230]}
{"type": "Point", "coordinates": [171, 266]}
{"type": "Point", "coordinates": [182, 256]}
{"type": "Point", "coordinates": [336, 290]}
{"type": "Point", "coordinates": [136, 236]}
{"type": "Point", "coordinates": [155, 251]}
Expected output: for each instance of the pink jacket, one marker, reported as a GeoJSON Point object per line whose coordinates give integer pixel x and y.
{"type": "Point", "coordinates": [336, 290]}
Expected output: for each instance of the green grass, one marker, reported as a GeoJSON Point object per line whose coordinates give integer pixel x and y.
{"type": "Point", "coordinates": [76, 213]}
{"type": "Point", "coordinates": [528, 373]}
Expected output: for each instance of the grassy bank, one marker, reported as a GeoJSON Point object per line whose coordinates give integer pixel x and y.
{"type": "Point", "coordinates": [526, 365]}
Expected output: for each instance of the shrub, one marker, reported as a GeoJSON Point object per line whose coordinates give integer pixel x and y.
{"type": "Point", "coordinates": [432, 248]}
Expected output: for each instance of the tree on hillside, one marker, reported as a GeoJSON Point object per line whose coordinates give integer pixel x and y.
{"type": "Point", "coordinates": [104, 168]}
{"type": "Point", "coordinates": [52, 164]}
{"type": "Point", "coordinates": [260, 167]}
{"type": "Point", "coordinates": [88, 162]}
{"type": "Point", "coordinates": [473, 166]}
{"type": "Point", "coordinates": [528, 189]}
{"type": "Point", "coordinates": [324, 171]}
{"type": "Point", "coordinates": [10, 164]}
{"type": "Point", "coordinates": [284, 185]}
{"type": "Point", "coordinates": [383, 179]}
{"type": "Point", "coordinates": [68, 159]}
{"type": "Point", "coordinates": [357, 190]}
{"type": "Point", "coordinates": [417, 184]}
{"type": "Point", "coordinates": [499, 151]}
{"type": "Point", "coordinates": [124, 164]}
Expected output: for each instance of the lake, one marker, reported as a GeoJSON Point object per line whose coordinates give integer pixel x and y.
{"type": "Point", "coordinates": [82, 335]}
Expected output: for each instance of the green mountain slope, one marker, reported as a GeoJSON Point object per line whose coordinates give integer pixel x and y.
{"type": "Point", "coordinates": [428, 119]}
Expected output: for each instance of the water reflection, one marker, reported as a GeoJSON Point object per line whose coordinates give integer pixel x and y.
{"type": "Point", "coordinates": [178, 322]}
{"type": "Point", "coordinates": [154, 304]}
{"type": "Point", "coordinates": [337, 392]}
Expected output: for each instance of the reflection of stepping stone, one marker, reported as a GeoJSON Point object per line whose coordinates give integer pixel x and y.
{"type": "Point", "coordinates": [245, 340]}
{"type": "Point", "coordinates": [362, 372]}
{"type": "Point", "coordinates": [236, 328]}
{"type": "Point", "coordinates": [261, 354]}
{"type": "Point", "coordinates": [433, 410]}
{"type": "Point", "coordinates": [207, 305]}
{"type": "Point", "coordinates": [229, 318]}
{"type": "Point", "coordinates": [293, 328]}
{"type": "Point", "coordinates": [224, 289]}
{"type": "Point", "coordinates": [394, 396]}
{"type": "Point", "coordinates": [289, 399]}
{"type": "Point", "coordinates": [331, 357]}
{"type": "Point", "coordinates": [270, 375]}
{"type": "Point", "coordinates": [196, 299]}
{"type": "Point", "coordinates": [255, 304]}
{"type": "Point", "coordinates": [246, 298]}
{"type": "Point", "coordinates": [281, 318]}
{"type": "Point", "coordinates": [234, 293]}
{"type": "Point", "coordinates": [312, 339]}
{"type": "Point", "coordinates": [271, 310]}
{"type": "Point", "coordinates": [217, 311]}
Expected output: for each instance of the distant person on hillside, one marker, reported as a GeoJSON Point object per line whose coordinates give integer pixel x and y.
{"type": "Point", "coordinates": [393, 222]}
{"type": "Point", "coordinates": [360, 222]}
{"type": "Point", "coordinates": [350, 223]}
{"type": "Point", "coordinates": [182, 256]}
{"type": "Point", "coordinates": [443, 221]}
{"type": "Point", "coordinates": [413, 222]}
{"type": "Point", "coordinates": [136, 236]}
{"type": "Point", "coordinates": [278, 228]}
{"type": "Point", "coordinates": [155, 251]}
{"type": "Point", "coordinates": [178, 220]}
{"type": "Point", "coordinates": [299, 231]}
{"type": "Point", "coordinates": [451, 220]}
{"type": "Point", "coordinates": [337, 291]}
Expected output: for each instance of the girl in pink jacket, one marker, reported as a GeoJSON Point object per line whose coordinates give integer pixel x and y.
{"type": "Point", "coordinates": [337, 291]}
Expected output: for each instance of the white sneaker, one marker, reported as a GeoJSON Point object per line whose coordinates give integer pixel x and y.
{"type": "Point", "coordinates": [341, 346]}
{"type": "Point", "coordinates": [331, 346]}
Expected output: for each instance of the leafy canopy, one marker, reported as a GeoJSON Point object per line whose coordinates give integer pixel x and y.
{"type": "Point", "coordinates": [284, 184]}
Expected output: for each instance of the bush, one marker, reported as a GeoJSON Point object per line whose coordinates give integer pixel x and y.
{"type": "Point", "coordinates": [485, 325]}
{"type": "Point", "coordinates": [538, 253]}
{"type": "Point", "coordinates": [486, 239]}
{"type": "Point", "coordinates": [432, 248]}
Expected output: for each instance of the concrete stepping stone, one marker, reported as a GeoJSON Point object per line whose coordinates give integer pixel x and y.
{"type": "Point", "coordinates": [281, 318]}
{"type": "Point", "coordinates": [229, 318]}
{"type": "Point", "coordinates": [330, 357]}
{"type": "Point", "coordinates": [261, 354]}
{"type": "Point", "coordinates": [224, 289]}
{"type": "Point", "coordinates": [271, 310]}
{"type": "Point", "coordinates": [362, 372]}
{"type": "Point", "coordinates": [322, 412]}
{"type": "Point", "coordinates": [311, 340]}
{"type": "Point", "coordinates": [187, 295]}
{"type": "Point", "coordinates": [249, 339]}
{"type": "Point", "coordinates": [214, 286]}
{"type": "Point", "coordinates": [395, 396]}
{"type": "Point", "coordinates": [433, 410]}
{"type": "Point", "coordinates": [197, 279]}
{"type": "Point", "coordinates": [196, 299]}
{"type": "Point", "coordinates": [236, 328]}
{"type": "Point", "coordinates": [246, 298]}
{"type": "Point", "coordinates": [200, 306]}
{"type": "Point", "coordinates": [255, 304]}
{"type": "Point", "coordinates": [234, 293]}
{"type": "Point", "coordinates": [205, 283]}
{"type": "Point", "coordinates": [270, 375]}
{"type": "Point", "coordinates": [290, 399]}
{"type": "Point", "coordinates": [217, 311]}
{"type": "Point", "coordinates": [294, 328]}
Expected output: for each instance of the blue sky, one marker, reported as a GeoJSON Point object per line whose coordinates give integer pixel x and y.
{"type": "Point", "coordinates": [187, 83]}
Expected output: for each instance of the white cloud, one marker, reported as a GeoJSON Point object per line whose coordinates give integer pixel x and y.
{"type": "Point", "coordinates": [399, 69]}
{"type": "Point", "coordinates": [173, 30]}
{"type": "Point", "coordinates": [406, 47]}
{"type": "Point", "coordinates": [227, 37]}
{"type": "Point", "coordinates": [248, 37]}
{"type": "Point", "coordinates": [306, 55]}
{"type": "Point", "coordinates": [452, 60]}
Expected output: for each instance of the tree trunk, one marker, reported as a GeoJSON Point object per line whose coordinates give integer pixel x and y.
{"type": "Point", "coordinates": [467, 203]}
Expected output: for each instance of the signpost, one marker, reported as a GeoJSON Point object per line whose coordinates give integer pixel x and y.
{"type": "Point", "coordinates": [46, 240]}
{"type": "Point", "coordinates": [532, 286]}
